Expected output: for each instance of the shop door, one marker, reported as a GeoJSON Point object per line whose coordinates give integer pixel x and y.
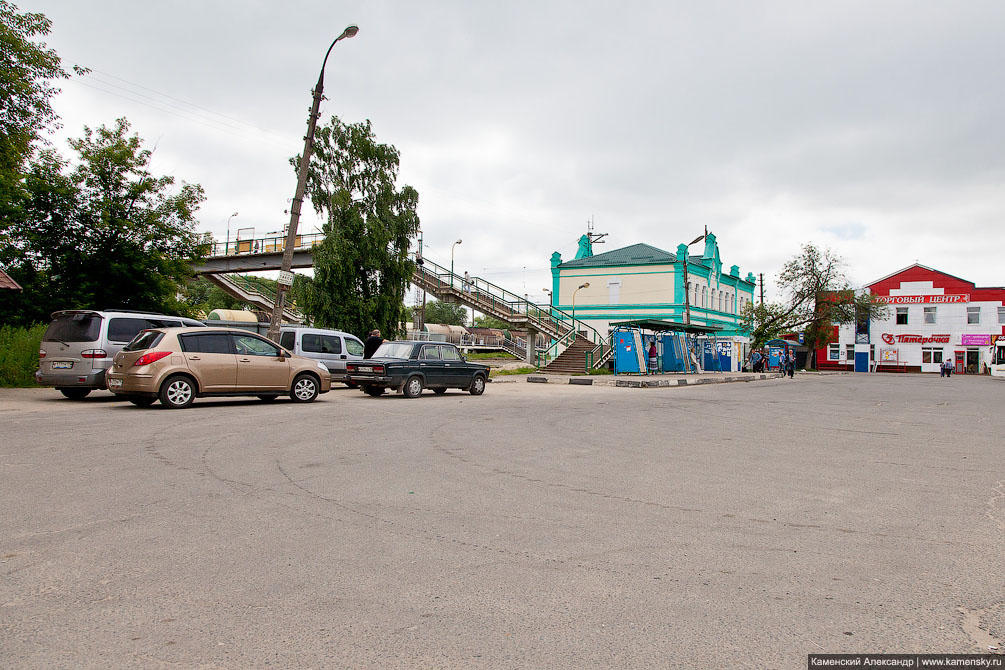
{"type": "Point", "coordinates": [973, 361]}
{"type": "Point", "coordinates": [960, 362]}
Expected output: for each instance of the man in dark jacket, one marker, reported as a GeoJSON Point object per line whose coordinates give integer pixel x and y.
{"type": "Point", "coordinates": [372, 344]}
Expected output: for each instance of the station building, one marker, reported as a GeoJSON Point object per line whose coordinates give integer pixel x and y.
{"type": "Point", "coordinates": [933, 317]}
{"type": "Point", "coordinates": [642, 282]}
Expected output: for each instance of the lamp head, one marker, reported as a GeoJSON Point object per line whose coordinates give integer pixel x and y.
{"type": "Point", "coordinates": [350, 31]}
{"type": "Point", "coordinates": [584, 285]}
{"type": "Point", "coordinates": [234, 214]}
{"type": "Point", "coordinates": [458, 241]}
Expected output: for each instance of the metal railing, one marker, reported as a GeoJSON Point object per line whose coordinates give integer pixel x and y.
{"type": "Point", "coordinates": [264, 245]}
{"type": "Point", "coordinates": [262, 291]}
{"type": "Point", "coordinates": [486, 296]}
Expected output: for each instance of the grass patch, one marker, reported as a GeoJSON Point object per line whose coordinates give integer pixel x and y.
{"type": "Point", "coordinates": [19, 355]}
{"type": "Point", "coordinates": [515, 371]}
{"type": "Point", "coordinates": [489, 356]}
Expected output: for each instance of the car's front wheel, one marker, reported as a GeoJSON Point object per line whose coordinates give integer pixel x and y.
{"type": "Point", "coordinates": [413, 387]}
{"type": "Point", "coordinates": [141, 400]}
{"type": "Point", "coordinates": [75, 394]}
{"type": "Point", "coordinates": [177, 392]}
{"type": "Point", "coordinates": [477, 385]}
{"type": "Point", "coordinates": [305, 389]}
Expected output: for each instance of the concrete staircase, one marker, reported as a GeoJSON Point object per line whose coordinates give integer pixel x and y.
{"type": "Point", "coordinates": [573, 359]}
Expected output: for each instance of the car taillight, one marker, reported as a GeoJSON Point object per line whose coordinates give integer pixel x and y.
{"type": "Point", "coordinates": [152, 357]}
{"type": "Point", "coordinates": [93, 353]}
{"type": "Point", "coordinates": [349, 367]}
{"type": "Point", "coordinates": [378, 369]}
{"type": "Point", "coordinates": [41, 353]}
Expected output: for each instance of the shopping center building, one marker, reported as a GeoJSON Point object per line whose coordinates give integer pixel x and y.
{"type": "Point", "coordinates": [933, 317]}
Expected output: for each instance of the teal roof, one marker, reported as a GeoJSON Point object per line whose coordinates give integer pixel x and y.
{"type": "Point", "coordinates": [637, 254]}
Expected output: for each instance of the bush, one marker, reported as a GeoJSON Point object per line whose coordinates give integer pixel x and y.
{"type": "Point", "coordinates": [19, 354]}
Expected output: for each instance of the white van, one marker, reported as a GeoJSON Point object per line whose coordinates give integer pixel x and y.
{"type": "Point", "coordinates": [79, 345]}
{"type": "Point", "coordinates": [332, 347]}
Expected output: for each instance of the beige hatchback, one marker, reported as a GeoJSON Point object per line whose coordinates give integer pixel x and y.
{"type": "Point", "coordinates": [176, 365]}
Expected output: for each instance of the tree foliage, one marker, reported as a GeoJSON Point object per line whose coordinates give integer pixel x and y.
{"type": "Point", "coordinates": [486, 321]}
{"type": "Point", "coordinates": [107, 233]}
{"type": "Point", "coordinates": [362, 269]}
{"type": "Point", "coordinates": [447, 313]}
{"type": "Point", "coordinates": [817, 296]}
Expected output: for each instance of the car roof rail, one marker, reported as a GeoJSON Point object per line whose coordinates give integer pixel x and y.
{"type": "Point", "coordinates": [136, 311]}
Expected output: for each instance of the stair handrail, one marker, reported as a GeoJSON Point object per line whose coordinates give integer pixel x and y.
{"type": "Point", "coordinates": [542, 315]}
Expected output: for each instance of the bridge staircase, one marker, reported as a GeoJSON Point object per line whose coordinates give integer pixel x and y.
{"type": "Point", "coordinates": [487, 298]}
{"type": "Point", "coordinates": [252, 292]}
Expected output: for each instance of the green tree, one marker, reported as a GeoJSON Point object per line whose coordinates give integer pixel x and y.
{"type": "Point", "coordinates": [447, 313]}
{"type": "Point", "coordinates": [107, 234]}
{"type": "Point", "coordinates": [485, 321]}
{"type": "Point", "coordinates": [362, 269]}
{"type": "Point", "coordinates": [817, 297]}
{"type": "Point", "coordinates": [27, 70]}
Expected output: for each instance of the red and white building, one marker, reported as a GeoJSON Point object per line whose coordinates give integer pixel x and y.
{"type": "Point", "coordinates": [933, 317]}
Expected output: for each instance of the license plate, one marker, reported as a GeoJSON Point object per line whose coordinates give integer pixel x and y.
{"type": "Point", "coordinates": [62, 365]}
{"type": "Point", "coordinates": [114, 383]}
{"type": "Point", "coordinates": [364, 369]}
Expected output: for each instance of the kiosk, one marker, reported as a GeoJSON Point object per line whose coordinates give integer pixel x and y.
{"type": "Point", "coordinates": [681, 347]}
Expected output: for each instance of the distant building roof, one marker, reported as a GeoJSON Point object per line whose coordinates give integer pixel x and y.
{"type": "Point", "coordinates": [637, 254]}
{"type": "Point", "coordinates": [6, 283]}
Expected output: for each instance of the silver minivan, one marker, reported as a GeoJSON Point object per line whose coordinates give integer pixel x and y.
{"type": "Point", "coordinates": [332, 347]}
{"type": "Point", "coordinates": [79, 344]}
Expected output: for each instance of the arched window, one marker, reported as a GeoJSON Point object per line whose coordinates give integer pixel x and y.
{"type": "Point", "coordinates": [704, 296]}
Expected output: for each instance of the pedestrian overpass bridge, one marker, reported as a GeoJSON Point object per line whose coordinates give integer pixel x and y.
{"type": "Point", "coordinates": [571, 338]}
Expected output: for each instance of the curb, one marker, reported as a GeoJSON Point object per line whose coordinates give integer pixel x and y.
{"type": "Point", "coordinates": [648, 383]}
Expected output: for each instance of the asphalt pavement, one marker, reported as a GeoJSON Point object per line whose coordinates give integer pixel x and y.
{"type": "Point", "coordinates": [740, 525]}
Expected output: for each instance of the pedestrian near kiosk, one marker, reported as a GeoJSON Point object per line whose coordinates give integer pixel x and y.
{"type": "Point", "coordinates": [790, 364]}
{"type": "Point", "coordinates": [653, 357]}
{"type": "Point", "coordinates": [372, 343]}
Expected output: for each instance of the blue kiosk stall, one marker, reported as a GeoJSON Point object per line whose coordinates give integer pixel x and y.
{"type": "Point", "coordinates": [681, 347]}
{"type": "Point", "coordinates": [777, 350]}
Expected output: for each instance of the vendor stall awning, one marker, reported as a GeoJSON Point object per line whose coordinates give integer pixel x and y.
{"type": "Point", "coordinates": [658, 325]}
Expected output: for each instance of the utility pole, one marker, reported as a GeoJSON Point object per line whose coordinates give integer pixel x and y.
{"type": "Point", "coordinates": [285, 275]}
{"type": "Point", "coordinates": [761, 275]}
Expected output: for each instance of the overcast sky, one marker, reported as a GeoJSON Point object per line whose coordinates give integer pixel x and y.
{"type": "Point", "coordinates": [872, 128]}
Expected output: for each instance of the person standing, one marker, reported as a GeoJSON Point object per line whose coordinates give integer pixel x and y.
{"type": "Point", "coordinates": [372, 343]}
{"type": "Point", "coordinates": [467, 282]}
{"type": "Point", "coordinates": [790, 364]}
{"type": "Point", "coordinates": [653, 357]}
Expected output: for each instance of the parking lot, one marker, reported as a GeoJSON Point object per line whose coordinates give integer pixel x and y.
{"type": "Point", "coordinates": [538, 525]}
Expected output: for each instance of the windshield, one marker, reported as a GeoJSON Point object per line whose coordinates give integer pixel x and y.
{"type": "Point", "coordinates": [73, 328]}
{"type": "Point", "coordinates": [394, 350]}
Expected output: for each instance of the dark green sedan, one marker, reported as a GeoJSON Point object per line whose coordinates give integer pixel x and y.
{"type": "Point", "coordinates": [409, 367]}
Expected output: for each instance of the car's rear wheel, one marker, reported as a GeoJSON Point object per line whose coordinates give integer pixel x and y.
{"type": "Point", "coordinates": [75, 394]}
{"type": "Point", "coordinates": [413, 387]}
{"type": "Point", "coordinates": [375, 391]}
{"type": "Point", "coordinates": [305, 388]}
{"type": "Point", "coordinates": [177, 392]}
{"type": "Point", "coordinates": [439, 391]}
{"type": "Point", "coordinates": [141, 400]}
{"type": "Point", "coordinates": [268, 397]}
{"type": "Point", "coordinates": [477, 385]}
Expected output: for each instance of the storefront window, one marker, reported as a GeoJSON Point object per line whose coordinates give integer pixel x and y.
{"type": "Point", "coordinates": [931, 355]}
{"type": "Point", "coordinates": [929, 315]}
{"type": "Point", "coordinates": [834, 352]}
{"type": "Point", "coordinates": [1001, 315]}
{"type": "Point", "coordinates": [850, 352]}
{"type": "Point", "coordinates": [973, 314]}
{"type": "Point", "coordinates": [901, 316]}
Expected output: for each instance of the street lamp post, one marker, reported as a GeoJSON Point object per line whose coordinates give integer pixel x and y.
{"type": "Point", "coordinates": [583, 285]}
{"type": "Point", "coordinates": [226, 246]}
{"type": "Point", "coordinates": [687, 282]}
{"type": "Point", "coordinates": [291, 236]}
{"type": "Point", "coordinates": [452, 261]}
